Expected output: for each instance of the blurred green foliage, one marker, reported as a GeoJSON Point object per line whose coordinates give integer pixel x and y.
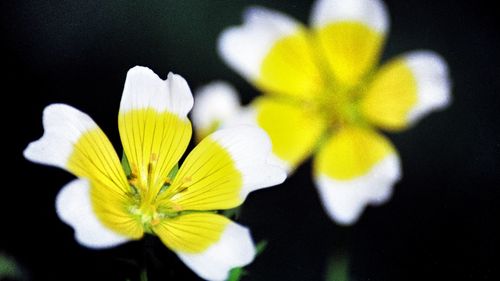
{"type": "Point", "coordinates": [338, 268]}
{"type": "Point", "coordinates": [8, 267]}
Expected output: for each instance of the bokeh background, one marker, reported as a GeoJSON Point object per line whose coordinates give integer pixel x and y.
{"type": "Point", "coordinates": [441, 223]}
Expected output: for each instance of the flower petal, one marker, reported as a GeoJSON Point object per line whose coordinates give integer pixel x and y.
{"type": "Point", "coordinates": [356, 167]}
{"type": "Point", "coordinates": [273, 51]}
{"type": "Point", "coordinates": [222, 169]}
{"type": "Point", "coordinates": [144, 89]}
{"type": "Point", "coordinates": [294, 129]}
{"type": "Point", "coordinates": [211, 245]}
{"type": "Point", "coordinates": [153, 125]}
{"type": "Point", "coordinates": [372, 13]}
{"type": "Point", "coordinates": [406, 89]}
{"type": "Point", "coordinates": [216, 103]}
{"type": "Point", "coordinates": [74, 207]}
{"type": "Point", "coordinates": [351, 35]}
{"type": "Point", "coordinates": [73, 141]}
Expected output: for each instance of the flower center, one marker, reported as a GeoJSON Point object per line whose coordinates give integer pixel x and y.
{"type": "Point", "coordinates": [145, 207]}
{"type": "Point", "coordinates": [147, 214]}
{"type": "Point", "coordinates": [340, 105]}
{"type": "Point", "coordinates": [150, 214]}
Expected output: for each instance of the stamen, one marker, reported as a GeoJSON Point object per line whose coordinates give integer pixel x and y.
{"type": "Point", "coordinates": [168, 181]}
{"type": "Point", "coordinates": [153, 157]}
{"type": "Point", "coordinates": [152, 161]}
{"type": "Point", "coordinates": [186, 180]}
{"type": "Point", "coordinates": [155, 221]}
{"type": "Point", "coordinates": [132, 179]}
{"type": "Point", "coordinates": [176, 207]}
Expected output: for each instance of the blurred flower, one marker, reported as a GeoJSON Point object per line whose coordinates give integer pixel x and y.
{"type": "Point", "coordinates": [109, 204]}
{"type": "Point", "coordinates": [216, 103]}
{"type": "Point", "coordinates": [325, 95]}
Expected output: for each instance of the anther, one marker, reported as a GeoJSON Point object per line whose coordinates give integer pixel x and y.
{"type": "Point", "coordinates": [150, 167]}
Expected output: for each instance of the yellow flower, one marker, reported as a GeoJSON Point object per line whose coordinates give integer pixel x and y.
{"type": "Point", "coordinates": [108, 206]}
{"type": "Point", "coordinates": [325, 95]}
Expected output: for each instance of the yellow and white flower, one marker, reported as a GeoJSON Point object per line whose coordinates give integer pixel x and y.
{"type": "Point", "coordinates": [108, 206]}
{"type": "Point", "coordinates": [325, 95]}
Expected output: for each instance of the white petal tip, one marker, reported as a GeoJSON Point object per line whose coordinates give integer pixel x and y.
{"type": "Point", "coordinates": [244, 47]}
{"type": "Point", "coordinates": [345, 200]}
{"type": "Point", "coordinates": [254, 12]}
{"type": "Point", "coordinates": [141, 70]}
{"type": "Point", "coordinates": [215, 103]}
{"type": "Point", "coordinates": [248, 116]}
{"type": "Point", "coordinates": [74, 207]}
{"type": "Point", "coordinates": [234, 249]}
{"type": "Point", "coordinates": [280, 175]}
{"type": "Point", "coordinates": [370, 12]}
{"type": "Point", "coordinates": [63, 126]}
{"type": "Point", "coordinates": [250, 148]}
{"type": "Point", "coordinates": [145, 89]}
{"type": "Point", "coordinates": [433, 83]}
{"type": "Point", "coordinates": [30, 152]}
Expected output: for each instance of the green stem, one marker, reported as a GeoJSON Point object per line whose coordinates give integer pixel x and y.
{"type": "Point", "coordinates": [339, 261]}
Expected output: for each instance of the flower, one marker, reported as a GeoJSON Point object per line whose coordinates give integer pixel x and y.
{"type": "Point", "coordinates": [325, 95]}
{"type": "Point", "coordinates": [108, 206]}
{"type": "Point", "coordinates": [216, 103]}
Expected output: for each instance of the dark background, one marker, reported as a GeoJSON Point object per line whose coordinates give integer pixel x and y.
{"type": "Point", "coordinates": [440, 224]}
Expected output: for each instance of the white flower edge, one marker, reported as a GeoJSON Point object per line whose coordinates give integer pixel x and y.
{"type": "Point", "coordinates": [244, 47]}
{"type": "Point", "coordinates": [248, 116]}
{"type": "Point", "coordinates": [345, 200]}
{"type": "Point", "coordinates": [144, 89]}
{"type": "Point", "coordinates": [74, 207]}
{"type": "Point", "coordinates": [215, 103]}
{"type": "Point", "coordinates": [235, 248]}
{"type": "Point", "coordinates": [250, 148]}
{"type": "Point", "coordinates": [63, 126]}
{"type": "Point", "coordinates": [373, 13]}
{"type": "Point", "coordinates": [433, 83]}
